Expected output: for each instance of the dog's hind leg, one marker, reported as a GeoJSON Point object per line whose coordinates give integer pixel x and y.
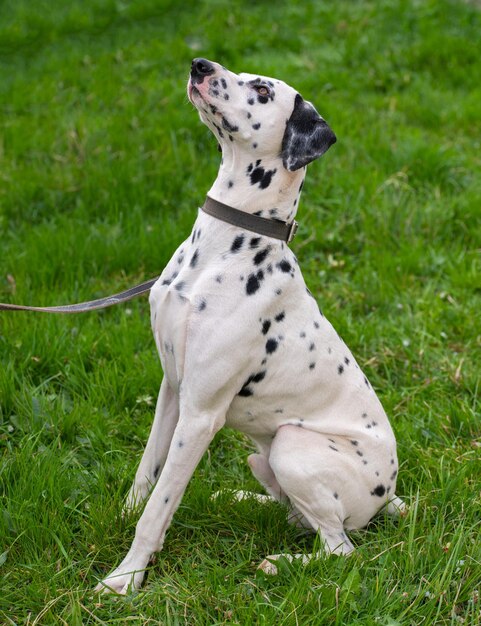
{"type": "Point", "coordinates": [310, 479]}
{"type": "Point", "coordinates": [261, 469]}
{"type": "Point", "coordinates": [155, 453]}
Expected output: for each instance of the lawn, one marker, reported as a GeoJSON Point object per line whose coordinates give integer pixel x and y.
{"type": "Point", "coordinates": [103, 163]}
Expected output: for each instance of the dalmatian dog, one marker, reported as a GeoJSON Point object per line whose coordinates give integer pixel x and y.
{"type": "Point", "coordinates": [243, 343]}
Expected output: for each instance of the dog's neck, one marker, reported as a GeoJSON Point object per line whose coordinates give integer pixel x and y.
{"type": "Point", "coordinates": [252, 186]}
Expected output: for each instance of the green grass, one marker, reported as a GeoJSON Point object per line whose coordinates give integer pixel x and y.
{"type": "Point", "coordinates": [102, 165]}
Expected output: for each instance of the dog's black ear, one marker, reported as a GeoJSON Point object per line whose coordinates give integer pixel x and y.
{"type": "Point", "coordinates": [307, 136]}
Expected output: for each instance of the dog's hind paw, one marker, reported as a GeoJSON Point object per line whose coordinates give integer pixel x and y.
{"type": "Point", "coordinates": [268, 566]}
{"type": "Point", "coordinates": [396, 508]}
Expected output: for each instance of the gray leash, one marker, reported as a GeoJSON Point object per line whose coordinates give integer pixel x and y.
{"type": "Point", "coordinates": [83, 307]}
{"type": "Point", "coordinates": [260, 225]}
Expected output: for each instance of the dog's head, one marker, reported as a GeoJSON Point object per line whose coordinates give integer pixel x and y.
{"type": "Point", "coordinates": [261, 115]}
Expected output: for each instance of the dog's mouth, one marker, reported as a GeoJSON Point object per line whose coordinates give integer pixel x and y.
{"type": "Point", "coordinates": [192, 91]}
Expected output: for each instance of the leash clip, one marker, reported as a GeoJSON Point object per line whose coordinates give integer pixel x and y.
{"type": "Point", "coordinates": [292, 231]}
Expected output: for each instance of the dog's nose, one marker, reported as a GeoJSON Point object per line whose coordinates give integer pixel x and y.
{"type": "Point", "coordinates": [200, 69]}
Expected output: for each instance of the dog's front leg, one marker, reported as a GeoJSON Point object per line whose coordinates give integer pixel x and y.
{"type": "Point", "coordinates": [192, 436]}
{"type": "Point", "coordinates": [158, 444]}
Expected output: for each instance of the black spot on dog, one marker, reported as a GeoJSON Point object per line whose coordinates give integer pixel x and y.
{"type": "Point", "coordinates": [271, 345]}
{"type": "Point", "coordinates": [254, 282]}
{"type": "Point", "coordinates": [316, 325]}
{"type": "Point", "coordinates": [261, 255]}
{"type": "Point", "coordinates": [219, 130]}
{"type": "Point", "coordinates": [312, 366]}
{"type": "Point", "coordinates": [230, 184]}
{"type": "Point", "coordinates": [245, 392]}
{"type": "Point", "coordinates": [251, 101]}
{"type": "Point", "coordinates": [366, 382]}
{"type": "Point", "coordinates": [237, 243]}
{"type": "Point", "coordinates": [202, 305]}
{"type": "Point", "coordinates": [260, 176]}
{"type": "Point", "coordinates": [219, 278]}
{"type": "Point", "coordinates": [359, 453]}
{"type": "Point", "coordinates": [302, 335]}
{"type": "Point", "coordinates": [156, 471]}
{"type": "Point", "coordinates": [393, 475]}
{"type": "Point", "coordinates": [280, 316]}
{"type": "Point", "coordinates": [262, 99]}
{"type": "Point", "coordinates": [194, 259]}
{"type": "Point", "coordinates": [166, 499]}
{"type": "Point", "coordinates": [340, 369]}
{"type": "Point", "coordinates": [254, 242]}
{"type": "Point", "coordinates": [333, 448]}
{"type": "Point", "coordinates": [312, 347]}
{"type": "Point", "coordinates": [180, 285]}
{"type": "Point", "coordinates": [253, 378]}
{"type": "Point", "coordinates": [354, 442]}
{"type": "Point", "coordinates": [180, 444]}
{"type": "Point", "coordinates": [223, 83]}
{"type": "Point", "coordinates": [336, 495]}
{"type": "Point", "coordinates": [346, 360]}
{"type": "Point", "coordinates": [256, 378]}
{"type": "Point", "coordinates": [230, 128]}
{"type": "Point", "coordinates": [265, 327]}
{"type": "Point", "coordinates": [279, 411]}
{"type": "Point", "coordinates": [256, 126]}
{"type": "Point", "coordinates": [284, 266]}
{"type": "Point", "coordinates": [379, 491]}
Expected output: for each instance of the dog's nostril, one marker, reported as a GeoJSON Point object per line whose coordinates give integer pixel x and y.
{"type": "Point", "coordinates": [202, 67]}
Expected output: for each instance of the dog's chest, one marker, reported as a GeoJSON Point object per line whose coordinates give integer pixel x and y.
{"type": "Point", "coordinates": [245, 326]}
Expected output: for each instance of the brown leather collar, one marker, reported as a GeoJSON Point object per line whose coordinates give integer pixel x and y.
{"type": "Point", "coordinates": [260, 225]}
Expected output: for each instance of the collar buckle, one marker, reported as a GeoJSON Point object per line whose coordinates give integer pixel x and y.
{"type": "Point", "coordinates": [292, 231]}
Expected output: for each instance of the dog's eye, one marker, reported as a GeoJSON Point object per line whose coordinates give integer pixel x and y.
{"type": "Point", "coordinates": [262, 90]}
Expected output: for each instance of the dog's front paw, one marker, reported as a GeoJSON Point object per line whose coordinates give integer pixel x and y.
{"type": "Point", "coordinates": [121, 582]}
